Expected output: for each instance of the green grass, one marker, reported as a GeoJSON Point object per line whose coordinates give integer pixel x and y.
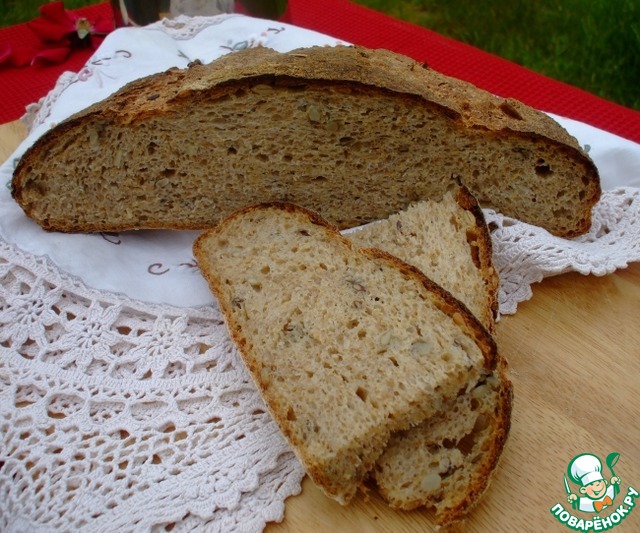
{"type": "Point", "coordinates": [592, 44]}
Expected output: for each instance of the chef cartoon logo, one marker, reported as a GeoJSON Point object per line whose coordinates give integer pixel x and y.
{"type": "Point", "coordinates": [594, 491]}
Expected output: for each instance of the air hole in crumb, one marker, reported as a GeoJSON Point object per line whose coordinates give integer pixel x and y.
{"type": "Point", "coordinates": [449, 444]}
{"type": "Point", "coordinates": [543, 170]}
{"type": "Point", "coordinates": [362, 334]}
{"type": "Point", "coordinates": [291, 415]}
{"type": "Point", "coordinates": [394, 361]}
{"type": "Point", "coordinates": [265, 269]}
{"type": "Point", "coordinates": [472, 241]}
{"type": "Point", "coordinates": [232, 150]}
{"type": "Point", "coordinates": [256, 286]}
{"type": "Point", "coordinates": [353, 323]}
{"type": "Point", "coordinates": [466, 444]}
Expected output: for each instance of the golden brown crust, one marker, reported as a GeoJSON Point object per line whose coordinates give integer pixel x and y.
{"type": "Point", "coordinates": [485, 260]}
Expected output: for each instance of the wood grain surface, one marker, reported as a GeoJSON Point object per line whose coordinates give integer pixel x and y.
{"type": "Point", "coordinates": [574, 356]}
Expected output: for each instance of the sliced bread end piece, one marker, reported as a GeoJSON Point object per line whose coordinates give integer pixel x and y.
{"type": "Point", "coordinates": [448, 461]}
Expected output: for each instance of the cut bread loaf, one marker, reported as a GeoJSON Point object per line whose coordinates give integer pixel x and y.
{"type": "Point", "coordinates": [347, 345]}
{"type": "Point", "coordinates": [351, 133]}
{"type": "Point", "coordinates": [447, 461]}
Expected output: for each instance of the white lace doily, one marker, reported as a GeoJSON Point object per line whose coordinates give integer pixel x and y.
{"type": "Point", "coordinates": [123, 403]}
{"type": "Point", "coordinates": [121, 416]}
{"type": "Point", "coordinates": [525, 254]}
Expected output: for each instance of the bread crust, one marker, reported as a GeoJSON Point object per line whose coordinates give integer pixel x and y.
{"type": "Point", "coordinates": [485, 247]}
{"type": "Point", "coordinates": [467, 109]}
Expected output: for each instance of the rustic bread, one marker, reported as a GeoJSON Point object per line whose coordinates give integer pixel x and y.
{"type": "Point", "coordinates": [447, 461]}
{"type": "Point", "coordinates": [347, 345]}
{"type": "Point", "coordinates": [448, 240]}
{"type": "Point", "coordinates": [351, 133]}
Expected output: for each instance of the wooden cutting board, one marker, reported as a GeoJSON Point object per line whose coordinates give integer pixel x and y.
{"type": "Point", "coordinates": [574, 356]}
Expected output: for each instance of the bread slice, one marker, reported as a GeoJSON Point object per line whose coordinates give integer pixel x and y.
{"type": "Point", "coordinates": [347, 345]}
{"type": "Point", "coordinates": [351, 133]}
{"type": "Point", "coordinates": [448, 240]}
{"type": "Point", "coordinates": [448, 461]}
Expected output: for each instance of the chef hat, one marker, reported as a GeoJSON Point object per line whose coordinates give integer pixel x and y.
{"type": "Point", "coordinates": [585, 469]}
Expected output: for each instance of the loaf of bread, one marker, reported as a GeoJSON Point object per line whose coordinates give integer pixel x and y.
{"type": "Point", "coordinates": [351, 133]}
{"type": "Point", "coordinates": [447, 461]}
{"type": "Point", "coordinates": [347, 345]}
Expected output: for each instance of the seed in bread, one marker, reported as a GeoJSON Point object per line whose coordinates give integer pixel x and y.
{"type": "Point", "coordinates": [351, 133]}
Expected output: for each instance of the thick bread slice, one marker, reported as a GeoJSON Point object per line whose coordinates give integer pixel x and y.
{"type": "Point", "coordinates": [448, 240]}
{"type": "Point", "coordinates": [351, 133]}
{"type": "Point", "coordinates": [346, 345]}
{"type": "Point", "coordinates": [447, 461]}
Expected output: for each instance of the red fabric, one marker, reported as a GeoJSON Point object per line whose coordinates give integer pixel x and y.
{"type": "Point", "coordinates": [359, 25]}
{"type": "Point", "coordinates": [20, 86]}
